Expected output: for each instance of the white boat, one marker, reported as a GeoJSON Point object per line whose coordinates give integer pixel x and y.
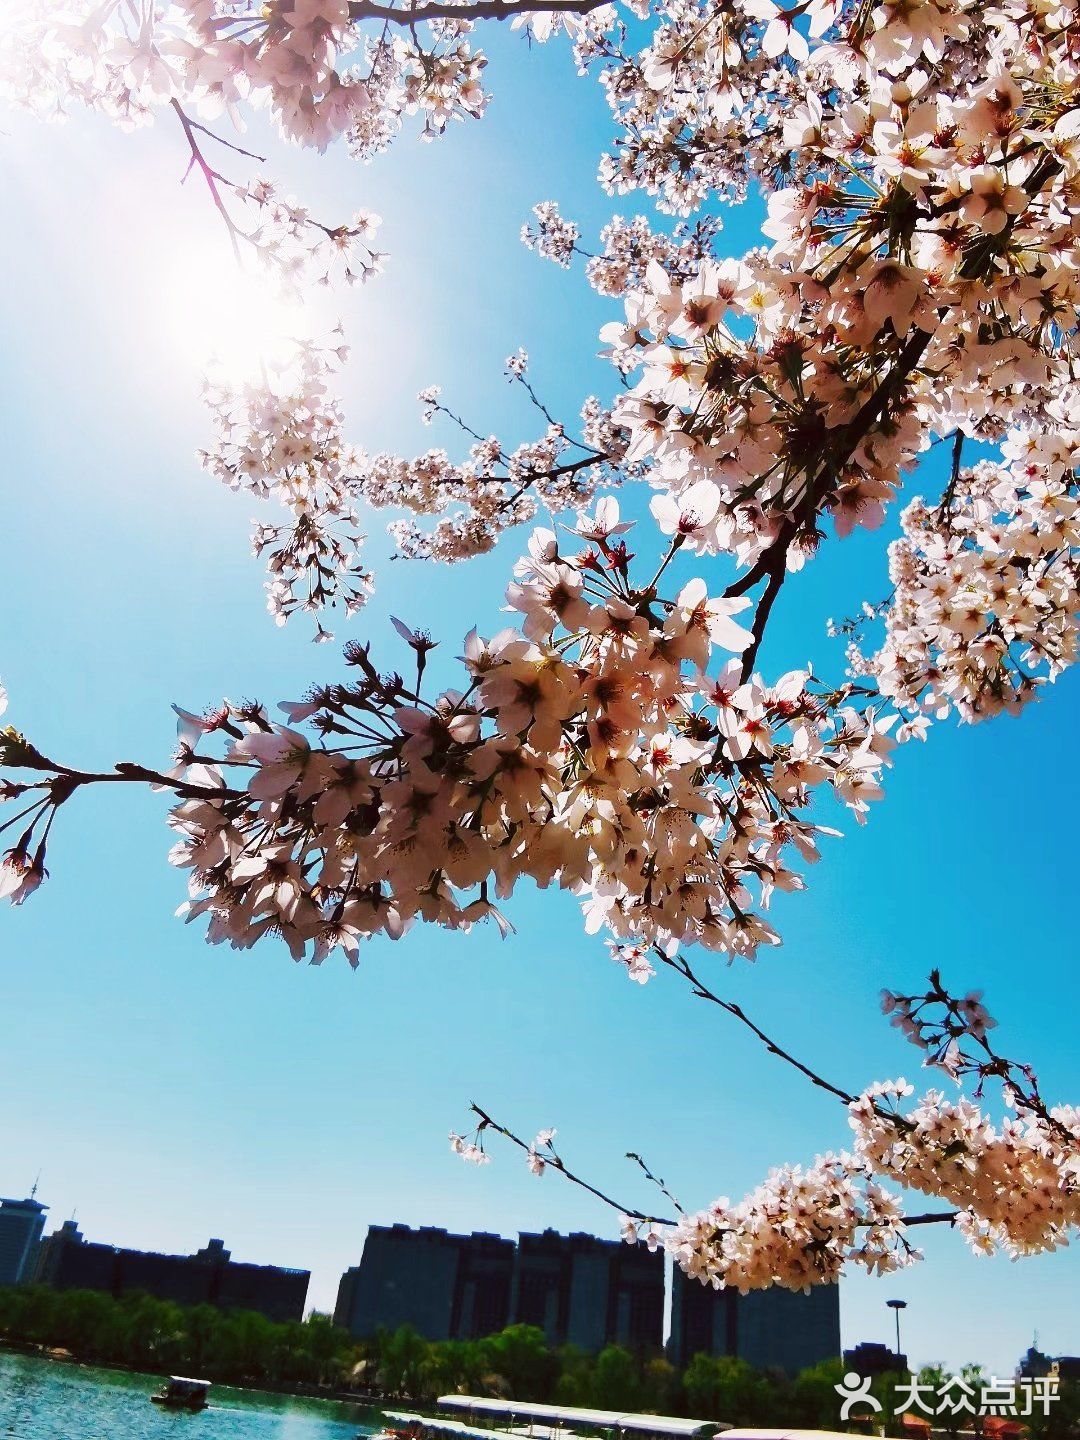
{"type": "Point", "coordinates": [408, 1426]}
{"type": "Point", "coordinates": [569, 1422]}
{"type": "Point", "coordinates": [526, 1418]}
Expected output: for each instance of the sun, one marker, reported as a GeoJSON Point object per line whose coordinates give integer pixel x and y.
{"type": "Point", "coordinates": [232, 317]}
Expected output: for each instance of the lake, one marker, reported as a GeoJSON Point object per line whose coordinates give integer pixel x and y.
{"type": "Point", "coordinates": [50, 1400]}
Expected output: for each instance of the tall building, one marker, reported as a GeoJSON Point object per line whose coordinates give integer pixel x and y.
{"type": "Point", "coordinates": [575, 1288]}
{"type": "Point", "coordinates": [21, 1224]}
{"type": "Point", "coordinates": [1035, 1365]}
{"type": "Point", "coordinates": [445, 1286]}
{"type": "Point", "coordinates": [210, 1277]}
{"type": "Point", "coordinates": [872, 1358]}
{"type": "Point", "coordinates": [588, 1292]}
{"type": "Point", "coordinates": [769, 1329]}
{"type": "Point", "coordinates": [482, 1292]}
{"type": "Point", "coordinates": [704, 1321]}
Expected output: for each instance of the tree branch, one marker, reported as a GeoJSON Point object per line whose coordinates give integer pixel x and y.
{"type": "Point", "coordinates": [476, 10]}
{"type": "Point", "coordinates": [209, 174]}
{"type": "Point", "coordinates": [702, 991]}
{"type": "Point", "coordinates": [488, 1123]}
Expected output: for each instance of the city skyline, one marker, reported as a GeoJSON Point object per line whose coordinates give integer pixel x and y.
{"type": "Point", "coordinates": [1054, 1342]}
{"type": "Point", "coordinates": [170, 1090]}
{"type": "Point", "coordinates": [578, 1289]}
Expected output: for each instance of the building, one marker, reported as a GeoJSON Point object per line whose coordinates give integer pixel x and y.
{"type": "Point", "coordinates": [210, 1277]}
{"type": "Point", "coordinates": [575, 1288]}
{"type": "Point", "coordinates": [445, 1286]}
{"type": "Point", "coordinates": [21, 1224]}
{"type": "Point", "coordinates": [1035, 1365]}
{"type": "Point", "coordinates": [872, 1359]}
{"type": "Point", "coordinates": [787, 1330]}
{"type": "Point", "coordinates": [588, 1292]}
{"type": "Point", "coordinates": [703, 1320]}
{"type": "Point", "coordinates": [769, 1329]}
{"type": "Point", "coordinates": [482, 1291]}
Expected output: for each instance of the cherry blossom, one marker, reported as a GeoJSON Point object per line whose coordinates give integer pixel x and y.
{"type": "Point", "coordinates": [1013, 1186]}
{"type": "Point", "coordinates": [590, 748]}
{"type": "Point", "coordinates": [622, 738]}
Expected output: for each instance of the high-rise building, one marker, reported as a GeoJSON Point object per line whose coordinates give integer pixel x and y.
{"type": "Point", "coordinates": [445, 1286]}
{"type": "Point", "coordinates": [1035, 1365]}
{"type": "Point", "coordinates": [21, 1224]}
{"type": "Point", "coordinates": [482, 1292]}
{"type": "Point", "coordinates": [787, 1330]}
{"type": "Point", "coordinates": [209, 1277]}
{"type": "Point", "coordinates": [704, 1321]}
{"type": "Point", "coordinates": [575, 1288]}
{"type": "Point", "coordinates": [769, 1329]}
{"type": "Point", "coordinates": [872, 1358]}
{"type": "Point", "coordinates": [588, 1292]}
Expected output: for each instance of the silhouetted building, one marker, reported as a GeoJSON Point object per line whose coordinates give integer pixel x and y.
{"type": "Point", "coordinates": [445, 1286]}
{"type": "Point", "coordinates": [872, 1359]}
{"type": "Point", "coordinates": [588, 1292]}
{"type": "Point", "coordinates": [21, 1224]}
{"type": "Point", "coordinates": [769, 1329]}
{"type": "Point", "coordinates": [703, 1320]}
{"type": "Point", "coordinates": [1035, 1365]}
{"type": "Point", "coordinates": [210, 1277]}
{"type": "Point", "coordinates": [575, 1288]}
{"type": "Point", "coordinates": [482, 1288]}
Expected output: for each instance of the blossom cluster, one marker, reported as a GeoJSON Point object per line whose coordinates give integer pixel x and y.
{"type": "Point", "coordinates": [986, 585]}
{"type": "Point", "coordinates": [628, 248]}
{"type": "Point", "coordinates": [604, 747]}
{"type": "Point", "coordinates": [309, 61]}
{"type": "Point", "coordinates": [799, 1228]}
{"type": "Point", "coordinates": [475, 501]}
{"type": "Point", "coordinates": [921, 170]}
{"type": "Point", "coordinates": [280, 438]}
{"type": "Point", "coordinates": [294, 248]}
{"type": "Point", "coordinates": [1016, 1187]}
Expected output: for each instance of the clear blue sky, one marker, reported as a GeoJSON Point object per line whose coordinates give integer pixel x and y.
{"type": "Point", "coordinates": [169, 1091]}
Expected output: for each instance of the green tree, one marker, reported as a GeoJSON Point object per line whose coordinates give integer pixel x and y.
{"type": "Point", "coordinates": [813, 1399]}
{"type": "Point", "coordinates": [616, 1381]}
{"type": "Point", "coordinates": [520, 1355]}
{"type": "Point", "coordinates": [575, 1384]}
{"type": "Point", "coordinates": [721, 1387]}
{"type": "Point", "coordinates": [402, 1358]}
{"type": "Point", "coordinates": [453, 1365]}
{"type": "Point", "coordinates": [661, 1386]}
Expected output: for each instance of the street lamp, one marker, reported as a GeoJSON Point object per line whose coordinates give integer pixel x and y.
{"type": "Point", "coordinates": [897, 1306]}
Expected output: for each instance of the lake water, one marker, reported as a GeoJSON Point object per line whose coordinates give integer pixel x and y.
{"type": "Point", "coordinates": [49, 1400]}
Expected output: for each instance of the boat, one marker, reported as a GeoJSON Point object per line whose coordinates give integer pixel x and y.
{"type": "Point", "coordinates": [182, 1393]}
{"type": "Point", "coordinates": [573, 1422]}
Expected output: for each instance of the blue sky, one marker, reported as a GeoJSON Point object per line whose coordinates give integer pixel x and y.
{"type": "Point", "coordinates": [169, 1091]}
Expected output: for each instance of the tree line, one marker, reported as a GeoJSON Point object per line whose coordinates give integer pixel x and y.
{"type": "Point", "coordinates": [141, 1332]}
{"type": "Point", "coordinates": [517, 1363]}
{"type": "Point", "coordinates": [244, 1347]}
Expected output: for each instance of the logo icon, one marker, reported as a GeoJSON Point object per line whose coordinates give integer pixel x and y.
{"type": "Point", "coordinates": [855, 1390]}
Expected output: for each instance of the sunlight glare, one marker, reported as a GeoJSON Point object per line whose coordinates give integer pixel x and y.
{"type": "Point", "coordinates": [231, 318]}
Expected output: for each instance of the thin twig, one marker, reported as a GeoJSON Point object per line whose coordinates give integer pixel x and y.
{"type": "Point", "coordinates": [488, 1123]}
{"type": "Point", "coordinates": [209, 174]}
{"type": "Point", "coordinates": [702, 991]}
{"type": "Point", "coordinates": [410, 15]}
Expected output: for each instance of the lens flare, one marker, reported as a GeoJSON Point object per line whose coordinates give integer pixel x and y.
{"type": "Point", "coordinates": [233, 318]}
